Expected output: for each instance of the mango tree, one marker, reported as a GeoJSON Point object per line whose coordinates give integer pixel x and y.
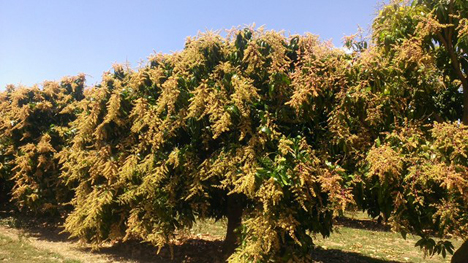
{"type": "Point", "coordinates": [418, 170]}
{"type": "Point", "coordinates": [33, 128]}
{"type": "Point", "coordinates": [231, 127]}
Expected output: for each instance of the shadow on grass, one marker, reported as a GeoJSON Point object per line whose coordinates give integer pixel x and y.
{"type": "Point", "coordinates": [204, 249]}
{"type": "Point", "coordinates": [191, 250]}
{"type": "Point", "coordinates": [362, 224]}
{"type": "Point", "coordinates": [197, 249]}
{"type": "Point", "coordinates": [339, 256]}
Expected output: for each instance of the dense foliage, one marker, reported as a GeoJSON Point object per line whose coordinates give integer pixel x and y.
{"type": "Point", "coordinates": [279, 134]}
{"type": "Point", "coordinates": [422, 173]}
{"type": "Point", "coordinates": [33, 128]}
{"type": "Point", "coordinates": [435, 28]}
{"type": "Point", "coordinates": [418, 172]}
{"type": "Point", "coordinates": [225, 123]}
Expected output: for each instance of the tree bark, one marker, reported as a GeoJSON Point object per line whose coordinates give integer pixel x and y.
{"type": "Point", "coordinates": [465, 103]}
{"type": "Point", "coordinates": [235, 208]}
{"type": "Point", "coordinates": [461, 255]}
{"type": "Point", "coordinates": [458, 70]}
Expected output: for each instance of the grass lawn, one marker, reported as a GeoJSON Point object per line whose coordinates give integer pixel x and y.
{"type": "Point", "coordinates": [381, 245]}
{"type": "Point", "coordinates": [355, 239]}
{"type": "Point", "coordinates": [20, 251]}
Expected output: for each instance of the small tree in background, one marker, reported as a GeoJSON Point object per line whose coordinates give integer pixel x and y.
{"type": "Point", "coordinates": [33, 128]}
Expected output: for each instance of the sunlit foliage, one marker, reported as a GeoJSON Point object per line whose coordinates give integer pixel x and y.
{"type": "Point", "coordinates": [157, 148]}
{"type": "Point", "coordinates": [33, 129]}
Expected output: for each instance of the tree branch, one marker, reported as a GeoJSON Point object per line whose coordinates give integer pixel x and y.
{"type": "Point", "coordinates": [456, 67]}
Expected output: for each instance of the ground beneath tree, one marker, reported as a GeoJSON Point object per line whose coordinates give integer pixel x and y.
{"type": "Point", "coordinates": [193, 249]}
{"type": "Point", "coordinates": [355, 240]}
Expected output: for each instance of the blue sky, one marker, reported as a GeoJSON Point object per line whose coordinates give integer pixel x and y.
{"type": "Point", "coordinates": [49, 39]}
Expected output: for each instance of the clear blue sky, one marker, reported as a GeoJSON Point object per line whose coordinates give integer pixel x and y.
{"type": "Point", "coordinates": [48, 39]}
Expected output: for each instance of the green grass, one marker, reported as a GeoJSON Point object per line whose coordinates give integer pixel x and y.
{"type": "Point", "coordinates": [10, 221]}
{"type": "Point", "coordinates": [351, 243]}
{"type": "Point", "coordinates": [356, 239]}
{"type": "Point", "coordinates": [209, 227]}
{"type": "Point", "coordinates": [387, 246]}
{"type": "Point", "coordinates": [18, 251]}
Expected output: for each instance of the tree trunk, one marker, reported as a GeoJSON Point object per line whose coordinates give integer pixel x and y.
{"type": "Point", "coordinates": [465, 103]}
{"type": "Point", "coordinates": [461, 255]}
{"type": "Point", "coordinates": [448, 43]}
{"type": "Point", "coordinates": [235, 207]}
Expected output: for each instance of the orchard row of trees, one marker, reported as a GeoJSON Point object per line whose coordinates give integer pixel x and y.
{"type": "Point", "coordinates": [278, 134]}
